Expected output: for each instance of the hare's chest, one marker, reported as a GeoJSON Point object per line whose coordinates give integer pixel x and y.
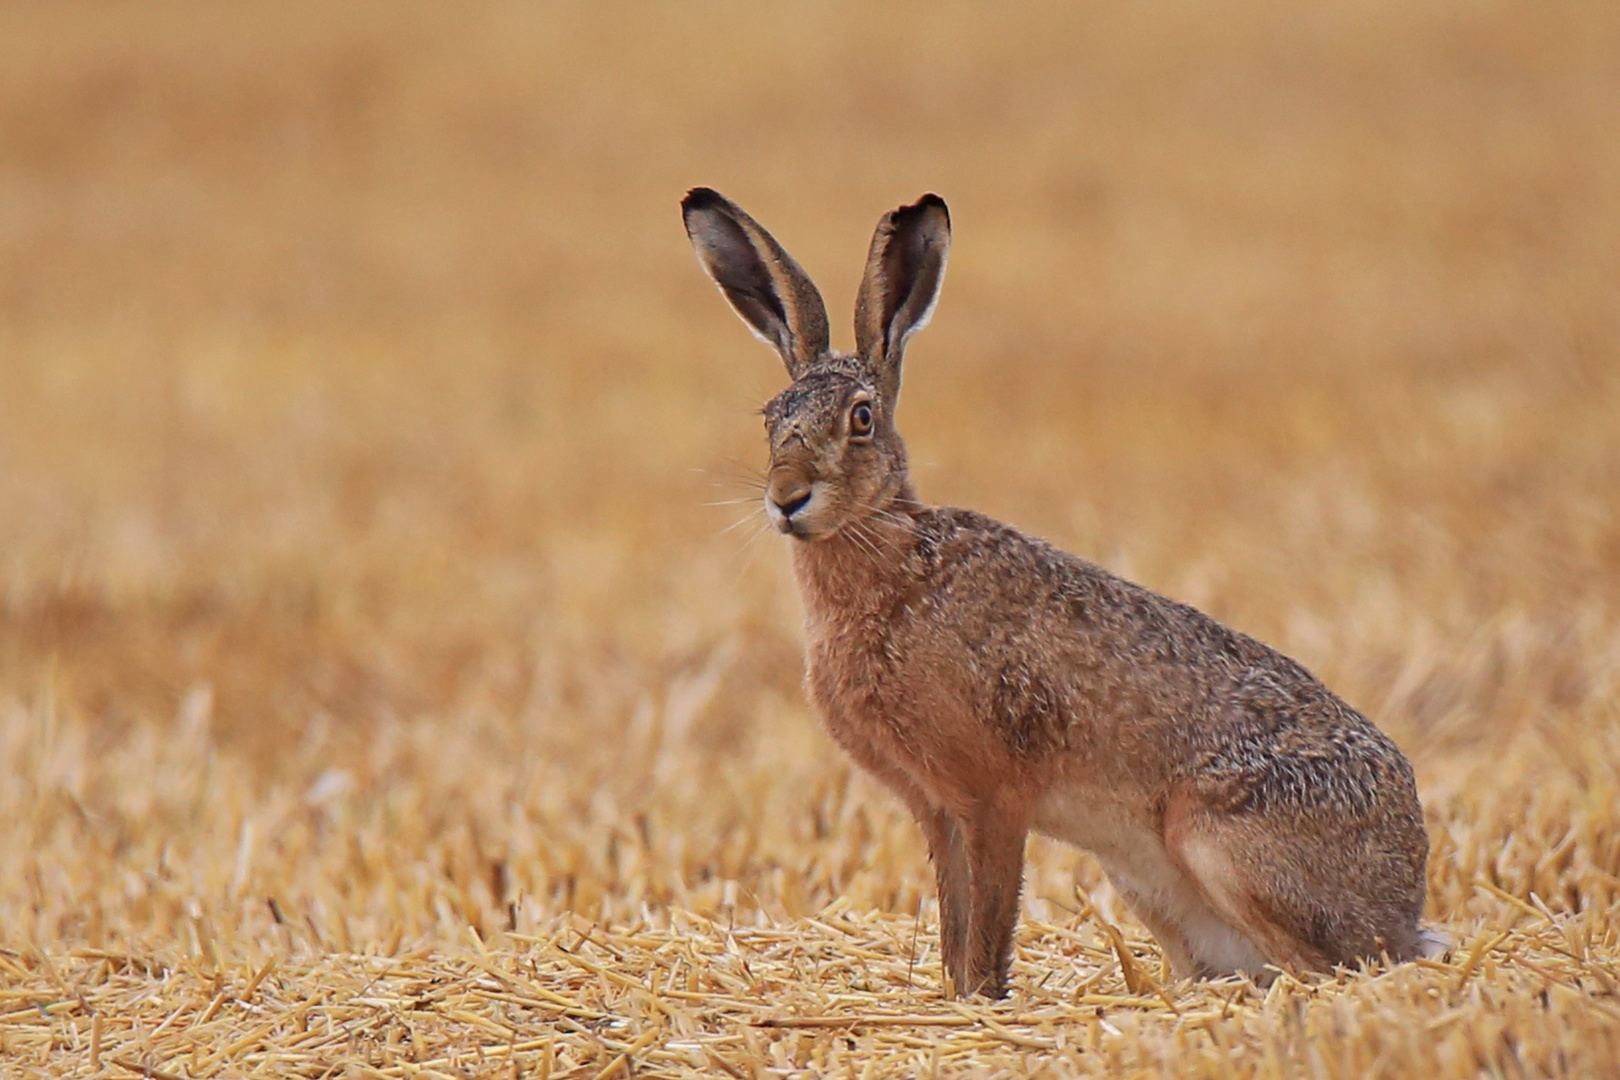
{"type": "Point", "coordinates": [847, 675]}
{"type": "Point", "coordinates": [857, 682]}
{"type": "Point", "coordinates": [894, 710]}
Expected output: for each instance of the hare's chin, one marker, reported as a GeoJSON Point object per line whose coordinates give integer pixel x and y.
{"type": "Point", "coordinates": [799, 529]}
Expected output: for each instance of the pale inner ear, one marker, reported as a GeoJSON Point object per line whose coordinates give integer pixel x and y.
{"type": "Point", "coordinates": [774, 296]}
{"type": "Point", "coordinates": [735, 264]}
{"type": "Point", "coordinates": [914, 272]}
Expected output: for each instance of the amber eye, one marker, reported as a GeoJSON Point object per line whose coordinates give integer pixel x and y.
{"type": "Point", "coordinates": [860, 419]}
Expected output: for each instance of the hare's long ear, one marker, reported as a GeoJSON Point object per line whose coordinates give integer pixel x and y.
{"type": "Point", "coordinates": [770, 291]}
{"type": "Point", "coordinates": [903, 273]}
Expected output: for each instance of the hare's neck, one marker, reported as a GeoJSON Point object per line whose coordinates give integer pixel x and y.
{"type": "Point", "coordinates": [860, 570]}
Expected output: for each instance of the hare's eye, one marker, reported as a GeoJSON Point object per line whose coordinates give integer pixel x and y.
{"type": "Point", "coordinates": [860, 419]}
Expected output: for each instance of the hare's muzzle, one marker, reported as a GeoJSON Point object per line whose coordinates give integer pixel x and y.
{"type": "Point", "coordinates": [786, 495]}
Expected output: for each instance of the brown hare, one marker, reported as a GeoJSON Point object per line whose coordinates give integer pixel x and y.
{"type": "Point", "coordinates": [999, 685]}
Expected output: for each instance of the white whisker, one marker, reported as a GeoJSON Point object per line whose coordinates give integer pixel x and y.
{"type": "Point", "coordinates": [862, 538]}
{"type": "Point", "coordinates": [736, 561]}
{"type": "Point", "coordinates": [740, 522]}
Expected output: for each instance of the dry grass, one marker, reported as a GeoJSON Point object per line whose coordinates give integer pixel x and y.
{"type": "Point", "coordinates": [378, 695]}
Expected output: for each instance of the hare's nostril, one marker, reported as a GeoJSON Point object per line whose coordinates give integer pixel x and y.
{"type": "Point", "coordinates": [793, 503]}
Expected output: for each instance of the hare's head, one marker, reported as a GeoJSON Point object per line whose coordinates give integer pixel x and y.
{"type": "Point", "coordinates": [835, 453]}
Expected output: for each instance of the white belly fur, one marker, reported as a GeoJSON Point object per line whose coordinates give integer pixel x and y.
{"type": "Point", "coordinates": [1133, 854]}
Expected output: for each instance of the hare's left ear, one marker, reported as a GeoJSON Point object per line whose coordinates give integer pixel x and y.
{"type": "Point", "coordinates": [774, 296]}
{"type": "Point", "coordinates": [904, 271]}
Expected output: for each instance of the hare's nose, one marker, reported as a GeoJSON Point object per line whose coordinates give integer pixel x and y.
{"type": "Point", "coordinates": [792, 501]}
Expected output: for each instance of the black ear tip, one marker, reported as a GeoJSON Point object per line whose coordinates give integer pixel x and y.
{"type": "Point", "coordinates": [922, 206]}
{"type": "Point", "coordinates": [701, 198]}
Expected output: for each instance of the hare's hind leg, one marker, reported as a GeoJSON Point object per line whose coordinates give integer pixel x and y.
{"type": "Point", "coordinates": [1246, 905]}
{"type": "Point", "coordinates": [1261, 895]}
{"type": "Point", "coordinates": [1309, 898]}
{"type": "Point", "coordinates": [1197, 941]}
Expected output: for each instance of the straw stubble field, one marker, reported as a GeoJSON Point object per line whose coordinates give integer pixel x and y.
{"type": "Point", "coordinates": [381, 695]}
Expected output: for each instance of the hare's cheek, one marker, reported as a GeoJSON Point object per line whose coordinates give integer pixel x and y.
{"type": "Point", "coordinates": [864, 467]}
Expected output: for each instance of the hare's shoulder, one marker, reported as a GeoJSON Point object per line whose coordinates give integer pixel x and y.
{"type": "Point", "coordinates": [953, 542]}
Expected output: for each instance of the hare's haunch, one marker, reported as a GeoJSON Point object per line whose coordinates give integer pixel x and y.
{"type": "Point", "coordinates": [998, 685]}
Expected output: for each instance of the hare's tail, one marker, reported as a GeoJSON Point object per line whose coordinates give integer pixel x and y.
{"type": "Point", "coordinates": [1433, 941]}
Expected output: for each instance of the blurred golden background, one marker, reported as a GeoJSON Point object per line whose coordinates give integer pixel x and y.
{"type": "Point", "coordinates": [361, 406]}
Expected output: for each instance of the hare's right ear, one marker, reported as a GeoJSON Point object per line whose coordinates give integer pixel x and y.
{"type": "Point", "coordinates": [768, 289]}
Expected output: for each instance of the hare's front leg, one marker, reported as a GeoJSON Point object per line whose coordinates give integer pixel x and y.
{"type": "Point", "coordinates": [948, 850]}
{"type": "Point", "coordinates": [995, 854]}
{"type": "Point", "coordinates": [947, 847]}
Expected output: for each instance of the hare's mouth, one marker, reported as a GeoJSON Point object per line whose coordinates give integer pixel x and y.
{"type": "Point", "coordinates": [798, 511]}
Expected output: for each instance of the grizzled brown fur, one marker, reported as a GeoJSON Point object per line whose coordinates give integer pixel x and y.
{"type": "Point", "coordinates": [998, 684]}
